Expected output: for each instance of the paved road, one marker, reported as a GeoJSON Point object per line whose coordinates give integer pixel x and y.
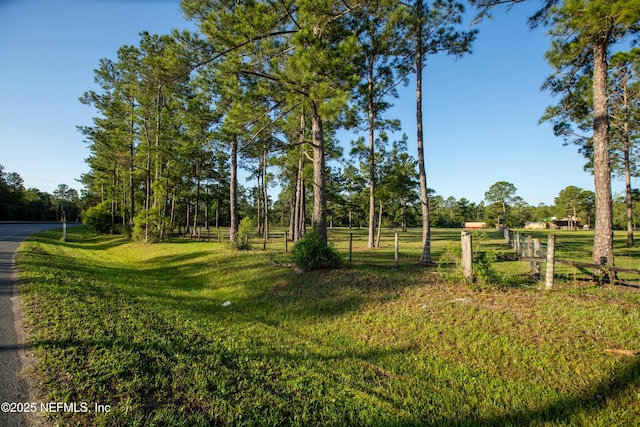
{"type": "Point", "coordinates": [12, 389]}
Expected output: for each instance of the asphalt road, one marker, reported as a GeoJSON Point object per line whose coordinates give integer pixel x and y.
{"type": "Point", "coordinates": [13, 390]}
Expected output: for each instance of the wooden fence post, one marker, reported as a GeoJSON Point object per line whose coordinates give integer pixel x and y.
{"type": "Point", "coordinates": [537, 253]}
{"type": "Point", "coordinates": [286, 243]}
{"type": "Point", "coordinates": [396, 253]}
{"type": "Point", "coordinates": [551, 254]}
{"type": "Point", "coordinates": [350, 245]}
{"type": "Point", "coordinates": [467, 256]}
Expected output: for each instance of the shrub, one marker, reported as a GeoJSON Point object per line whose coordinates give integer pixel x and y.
{"type": "Point", "coordinates": [98, 219]}
{"type": "Point", "coordinates": [244, 234]}
{"type": "Point", "coordinates": [311, 253]}
{"type": "Point", "coordinates": [484, 271]}
{"type": "Point", "coordinates": [450, 263]}
{"type": "Point", "coordinates": [148, 226]}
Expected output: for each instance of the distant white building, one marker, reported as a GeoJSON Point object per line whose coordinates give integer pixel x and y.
{"type": "Point", "coordinates": [475, 225]}
{"type": "Point", "coordinates": [570, 222]}
{"type": "Point", "coordinates": [535, 225]}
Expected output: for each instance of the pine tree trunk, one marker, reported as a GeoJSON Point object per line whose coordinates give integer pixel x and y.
{"type": "Point", "coordinates": [217, 214]}
{"type": "Point", "coordinates": [299, 219]}
{"type": "Point", "coordinates": [131, 166]}
{"type": "Point", "coordinates": [259, 201]}
{"type": "Point", "coordinates": [187, 213]}
{"type": "Point", "coordinates": [629, 199]}
{"type": "Point", "coordinates": [233, 192]}
{"type": "Point", "coordinates": [197, 206]}
{"type": "Point", "coordinates": [147, 200]}
{"type": "Point", "coordinates": [319, 215]}
{"type": "Point", "coordinates": [206, 215]}
{"type": "Point", "coordinates": [157, 143]}
{"type": "Point", "coordinates": [114, 183]}
{"type": "Point", "coordinates": [404, 215]}
{"type": "Point", "coordinates": [425, 259]}
{"type": "Point", "coordinates": [372, 168]}
{"type": "Point", "coordinates": [173, 210]}
{"type": "Point", "coordinates": [298, 197]}
{"type": "Point", "coordinates": [292, 211]}
{"type": "Point", "coordinates": [265, 194]}
{"type": "Point", "coordinates": [379, 225]}
{"type": "Point", "coordinates": [603, 236]}
{"type": "Point", "coordinates": [302, 215]}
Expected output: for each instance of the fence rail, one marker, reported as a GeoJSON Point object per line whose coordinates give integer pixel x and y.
{"type": "Point", "coordinates": [525, 249]}
{"type": "Point", "coordinates": [548, 260]}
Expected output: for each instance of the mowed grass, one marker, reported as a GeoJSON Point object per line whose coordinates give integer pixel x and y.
{"type": "Point", "coordinates": [145, 330]}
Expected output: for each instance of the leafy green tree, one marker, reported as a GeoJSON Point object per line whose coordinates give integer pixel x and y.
{"type": "Point", "coordinates": [113, 138]}
{"type": "Point", "coordinates": [577, 203]}
{"type": "Point", "coordinates": [38, 205]}
{"type": "Point", "coordinates": [67, 203]}
{"type": "Point", "coordinates": [502, 194]}
{"type": "Point", "coordinates": [573, 119]}
{"type": "Point", "coordinates": [303, 50]}
{"type": "Point", "coordinates": [543, 213]}
{"type": "Point", "coordinates": [98, 219]}
{"type": "Point", "coordinates": [18, 203]}
{"type": "Point", "coordinates": [620, 217]}
{"type": "Point", "coordinates": [624, 96]}
{"type": "Point", "coordinates": [568, 203]}
{"type": "Point", "coordinates": [11, 189]}
{"type": "Point", "coordinates": [432, 28]}
{"type": "Point", "coordinates": [354, 189]}
{"type": "Point", "coordinates": [382, 70]}
{"type": "Point", "coordinates": [325, 76]}
{"type": "Point", "coordinates": [294, 179]}
{"type": "Point", "coordinates": [370, 168]}
{"type": "Point", "coordinates": [583, 34]}
{"type": "Point", "coordinates": [521, 212]}
{"type": "Point", "coordinates": [398, 182]}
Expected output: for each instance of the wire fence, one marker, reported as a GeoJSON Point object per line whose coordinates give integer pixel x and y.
{"type": "Point", "coordinates": [572, 257]}
{"type": "Point", "coordinates": [522, 256]}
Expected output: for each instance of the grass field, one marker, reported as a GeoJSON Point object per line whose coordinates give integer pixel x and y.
{"type": "Point", "coordinates": [148, 331]}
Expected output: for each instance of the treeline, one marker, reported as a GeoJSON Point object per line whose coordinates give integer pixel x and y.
{"type": "Point", "coordinates": [571, 201]}
{"type": "Point", "coordinates": [265, 86]}
{"type": "Point", "coordinates": [20, 204]}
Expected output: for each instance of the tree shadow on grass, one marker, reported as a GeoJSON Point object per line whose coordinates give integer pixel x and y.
{"type": "Point", "coordinates": [594, 399]}
{"type": "Point", "coordinates": [235, 367]}
{"type": "Point", "coordinates": [261, 396]}
{"type": "Point", "coordinates": [274, 303]}
{"type": "Point", "coordinates": [79, 238]}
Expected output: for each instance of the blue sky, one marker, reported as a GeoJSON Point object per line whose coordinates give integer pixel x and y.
{"type": "Point", "coordinates": [481, 111]}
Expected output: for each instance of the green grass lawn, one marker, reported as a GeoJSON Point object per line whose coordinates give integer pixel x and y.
{"type": "Point", "coordinates": [144, 329]}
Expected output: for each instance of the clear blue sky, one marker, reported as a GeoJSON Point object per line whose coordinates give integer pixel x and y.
{"type": "Point", "coordinates": [481, 111]}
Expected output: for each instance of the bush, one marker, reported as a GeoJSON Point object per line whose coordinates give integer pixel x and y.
{"type": "Point", "coordinates": [244, 234]}
{"type": "Point", "coordinates": [484, 271]}
{"type": "Point", "coordinates": [310, 253]}
{"type": "Point", "coordinates": [450, 263]}
{"type": "Point", "coordinates": [148, 226]}
{"type": "Point", "coordinates": [98, 219]}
